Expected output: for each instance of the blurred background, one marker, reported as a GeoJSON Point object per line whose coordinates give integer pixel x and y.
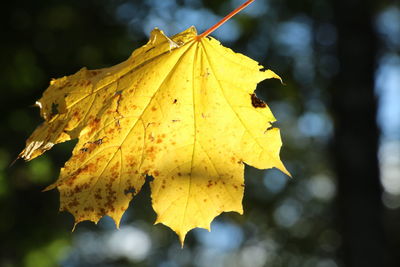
{"type": "Point", "coordinates": [338, 111]}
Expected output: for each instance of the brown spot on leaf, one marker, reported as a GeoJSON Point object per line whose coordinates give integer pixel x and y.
{"type": "Point", "coordinates": [256, 102]}
{"type": "Point", "coordinates": [74, 203]}
{"type": "Point", "coordinates": [78, 189]}
{"type": "Point", "coordinates": [54, 109]}
{"type": "Point", "coordinates": [110, 131]}
{"type": "Point", "coordinates": [114, 169]}
{"type": "Point", "coordinates": [94, 125]}
{"type": "Point", "coordinates": [151, 137]}
{"type": "Point", "coordinates": [89, 209]}
{"type": "Point", "coordinates": [93, 73]}
{"type": "Point", "coordinates": [98, 141]}
{"type": "Point", "coordinates": [75, 114]}
{"type": "Point", "coordinates": [150, 149]}
{"type": "Point", "coordinates": [88, 168]}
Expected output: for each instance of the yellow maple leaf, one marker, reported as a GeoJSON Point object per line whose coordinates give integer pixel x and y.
{"type": "Point", "coordinates": [180, 109]}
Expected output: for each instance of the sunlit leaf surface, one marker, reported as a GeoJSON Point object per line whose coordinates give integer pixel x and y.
{"type": "Point", "coordinates": [181, 110]}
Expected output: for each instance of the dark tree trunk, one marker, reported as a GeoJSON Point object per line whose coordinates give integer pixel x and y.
{"type": "Point", "coordinates": [356, 137]}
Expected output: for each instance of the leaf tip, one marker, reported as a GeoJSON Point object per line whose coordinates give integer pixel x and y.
{"type": "Point", "coordinates": [48, 188]}
{"type": "Point", "coordinates": [157, 221]}
{"type": "Point", "coordinates": [269, 74]}
{"type": "Point", "coordinates": [182, 239]}
{"type": "Point", "coordinates": [283, 169]}
{"type": "Point", "coordinates": [117, 222]}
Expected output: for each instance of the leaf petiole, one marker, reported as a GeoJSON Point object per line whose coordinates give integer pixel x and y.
{"type": "Point", "coordinates": [222, 21]}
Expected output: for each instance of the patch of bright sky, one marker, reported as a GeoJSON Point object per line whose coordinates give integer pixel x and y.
{"type": "Point", "coordinates": [258, 254]}
{"type": "Point", "coordinates": [295, 35]}
{"type": "Point", "coordinates": [322, 187]}
{"type": "Point", "coordinates": [203, 19]}
{"type": "Point", "coordinates": [315, 124]}
{"type": "Point", "coordinates": [389, 157]}
{"type": "Point", "coordinates": [388, 25]}
{"type": "Point", "coordinates": [87, 247]}
{"type": "Point", "coordinates": [162, 8]}
{"type": "Point", "coordinates": [387, 87]}
{"type": "Point", "coordinates": [179, 256]}
{"type": "Point", "coordinates": [172, 19]}
{"type": "Point", "coordinates": [294, 38]}
{"type": "Point", "coordinates": [275, 180]}
{"type": "Point", "coordinates": [210, 257]}
{"type": "Point", "coordinates": [224, 236]}
{"type": "Point", "coordinates": [288, 213]}
{"type": "Point", "coordinates": [130, 243]}
{"type": "Point", "coordinates": [255, 9]}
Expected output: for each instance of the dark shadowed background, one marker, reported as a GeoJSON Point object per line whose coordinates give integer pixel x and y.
{"type": "Point", "coordinates": [338, 111]}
